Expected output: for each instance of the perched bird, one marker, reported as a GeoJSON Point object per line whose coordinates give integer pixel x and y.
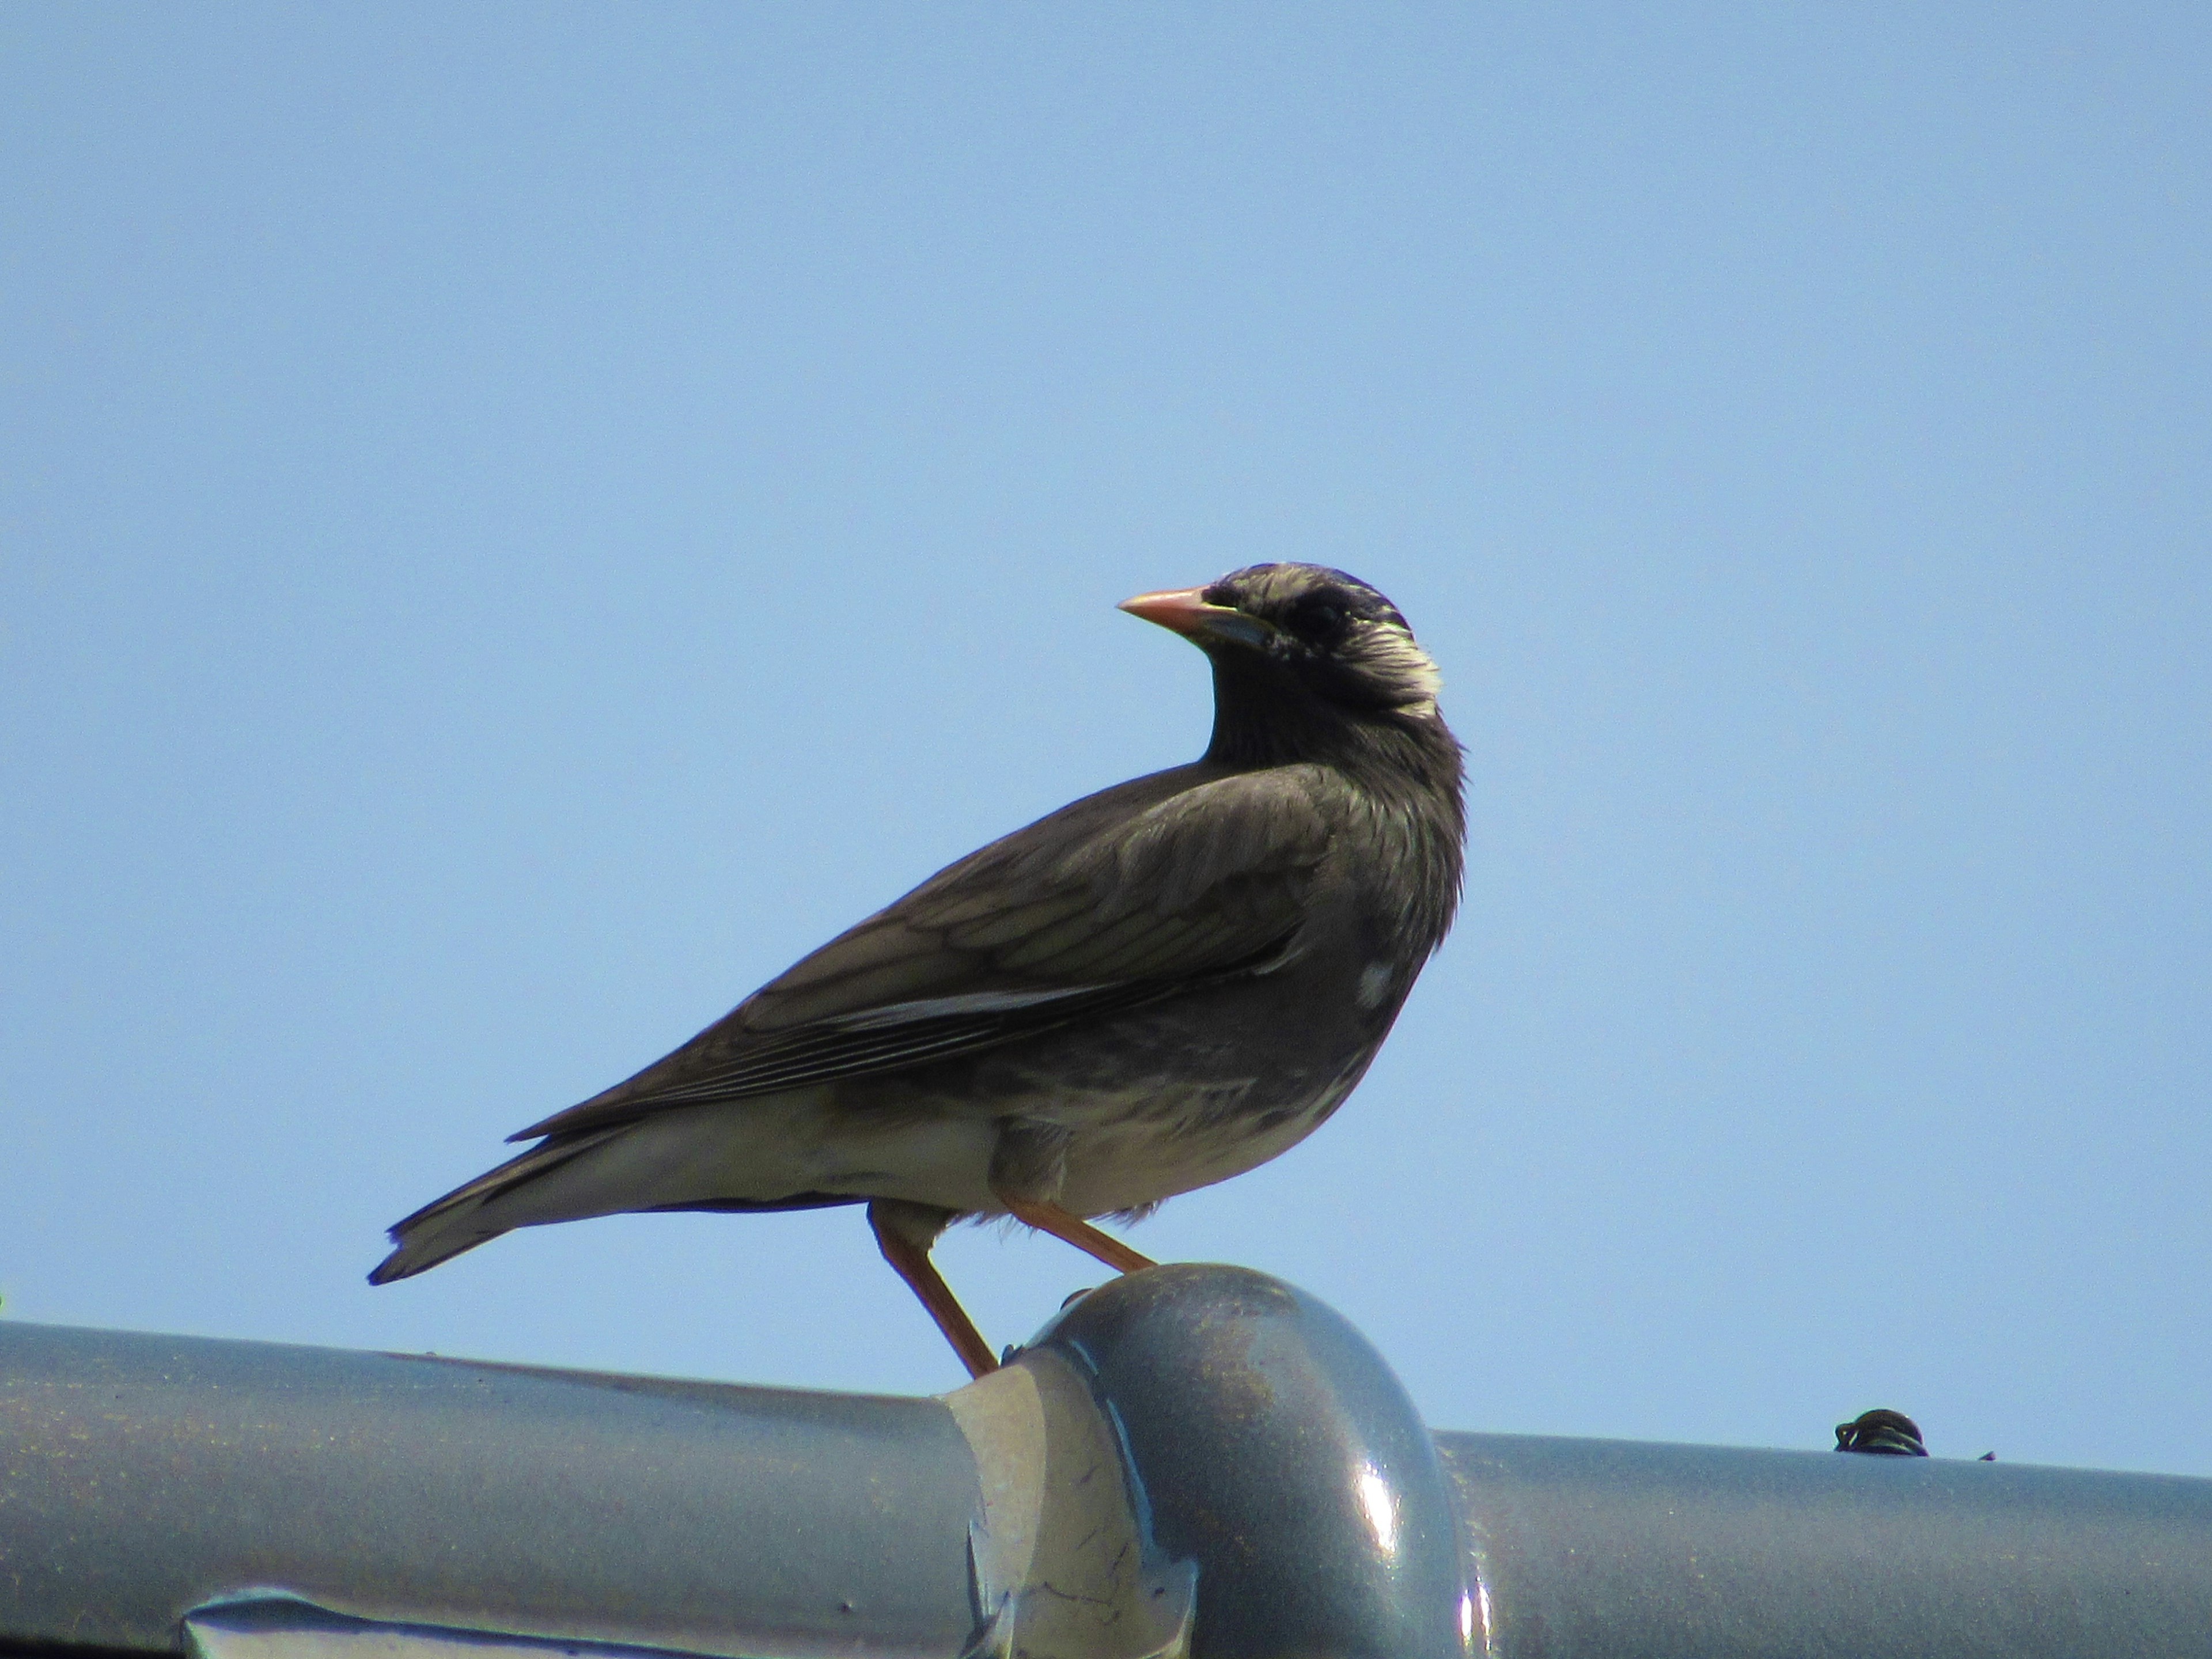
{"type": "Point", "coordinates": [1152, 989]}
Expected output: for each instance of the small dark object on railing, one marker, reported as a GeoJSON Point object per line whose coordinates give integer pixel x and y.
{"type": "Point", "coordinates": [1886, 1433]}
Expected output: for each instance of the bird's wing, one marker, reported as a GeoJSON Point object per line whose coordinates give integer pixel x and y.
{"type": "Point", "coordinates": [1070, 918]}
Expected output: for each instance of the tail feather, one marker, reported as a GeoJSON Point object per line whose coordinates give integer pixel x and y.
{"type": "Point", "coordinates": [446, 1227]}
{"type": "Point", "coordinates": [779, 1153]}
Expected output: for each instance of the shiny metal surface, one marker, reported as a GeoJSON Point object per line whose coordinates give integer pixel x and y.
{"type": "Point", "coordinates": [142, 1476]}
{"type": "Point", "coordinates": [1193, 1463]}
{"type": "Point", "coordinates": [1590, 1549]}
{"type": "Point", "coordinates": [1306, 1492]}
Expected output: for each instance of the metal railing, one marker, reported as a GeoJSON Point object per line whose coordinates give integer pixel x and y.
{"type": "Point", "coordinates": [1192, 1461]}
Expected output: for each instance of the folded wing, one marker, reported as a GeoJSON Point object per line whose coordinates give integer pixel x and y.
{"type": "Point", "coordinates": [1087, 912]}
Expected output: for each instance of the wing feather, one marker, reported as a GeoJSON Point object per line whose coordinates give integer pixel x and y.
{"type": "Point", "coordinates": [1087, 912]}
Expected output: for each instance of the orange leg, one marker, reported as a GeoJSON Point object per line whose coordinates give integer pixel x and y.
{"type": "Point", "coordinates": [1074, 1230]}
{"type": "Point", "coordinates": [909, 1260]}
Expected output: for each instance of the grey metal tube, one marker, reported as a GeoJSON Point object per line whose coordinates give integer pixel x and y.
{"type": "Point", "coordinates": [145, 1474]}
{"type": "Point", "coordinates": [1589, 1549]}
{"type": "Point", "coordinates": [1190, 1463]}
{"type": "Point", "coordinates": [1272, 1446]}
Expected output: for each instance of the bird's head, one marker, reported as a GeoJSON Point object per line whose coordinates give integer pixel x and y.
{"type": "Point", "coordinates": [1286, 633]}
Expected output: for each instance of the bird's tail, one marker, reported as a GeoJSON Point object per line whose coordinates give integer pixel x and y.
{"type": "Point", "coordinates": [476, 1214]}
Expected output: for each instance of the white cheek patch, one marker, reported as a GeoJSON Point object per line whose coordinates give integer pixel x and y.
{"type": "Point", "coordinates": [1391, 657]}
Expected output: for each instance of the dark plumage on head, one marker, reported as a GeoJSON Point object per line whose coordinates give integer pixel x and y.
{"type": "Point", "coordinates": [1333, 632]}
{"type": "Point", "coordinates": [1307, 661]}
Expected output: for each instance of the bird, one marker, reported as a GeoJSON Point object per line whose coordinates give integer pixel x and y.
{"type": "Point", "coordinates": [1159, 986]}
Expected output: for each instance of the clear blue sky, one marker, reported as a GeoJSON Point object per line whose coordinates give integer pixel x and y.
{"type": "Point", "coordinates": [517, 523]}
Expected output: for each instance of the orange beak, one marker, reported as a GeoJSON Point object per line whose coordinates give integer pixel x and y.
{"type": "Point", "coordinates": [1184, 611]}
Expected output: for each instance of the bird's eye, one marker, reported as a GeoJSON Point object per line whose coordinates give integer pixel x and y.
{"type": "Point", "coordinates": [1318, 620]}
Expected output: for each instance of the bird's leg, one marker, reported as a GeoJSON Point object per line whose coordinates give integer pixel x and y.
{"type": "Point", "coordinates": [1051, 1219]}
{"type": "Point", "coordinates": [1030, 1160]}
{"type": "Point", "coordinates": [905, 1233]}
